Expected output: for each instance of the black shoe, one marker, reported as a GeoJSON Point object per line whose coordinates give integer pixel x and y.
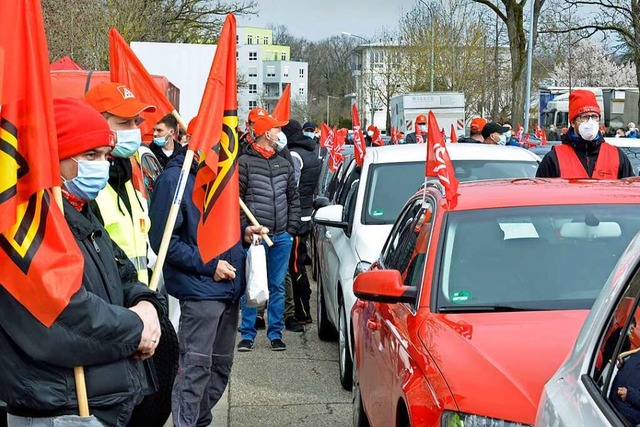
{"type": "Point", "coordinates": [304, 320]}
{"type": "Point", "coordinates": [260, 323]}
{"type": "Point", "coordinates": [292, 325]}
{"type": "Point", "coordinates": [245, 345]}
{"type": "Point", "coordinates": [278, 345]}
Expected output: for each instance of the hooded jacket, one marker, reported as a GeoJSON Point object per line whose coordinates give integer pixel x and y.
{"type": "Point", "coordinates": [186, 277]}
{"type": "Point", "coordinates": [95, 330]}
{"type": "Point", "coordinates": [587, 152]}
{"type": "Point", "coordinates": [269, 189]}
{"type": "Point", "coordinates": [307, 150]}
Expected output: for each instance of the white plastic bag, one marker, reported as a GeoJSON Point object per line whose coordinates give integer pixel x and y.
{"type": "Point", "coordinates": [257, 292]}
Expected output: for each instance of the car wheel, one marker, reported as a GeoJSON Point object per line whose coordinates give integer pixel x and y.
{"type": "Point", "coordinates": [154, 410]}
{"type": "Point", "coordinates": [344, 355]}
{"type": "Point", "coordinates": [359, 415]}
{"type": "Point", "coordinates": [326, 331]}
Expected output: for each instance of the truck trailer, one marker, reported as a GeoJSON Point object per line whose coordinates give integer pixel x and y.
{"type": "Point", "coordinates": [448, 108]}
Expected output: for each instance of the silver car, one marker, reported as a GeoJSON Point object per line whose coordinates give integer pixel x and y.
{"type": "Point", "coordinates": [599, 383]}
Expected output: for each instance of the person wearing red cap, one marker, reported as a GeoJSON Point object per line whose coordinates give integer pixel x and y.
{"type": "Point", "coordinates": [248, 137]}
{"type": "Point", "coordinates": [368, 138]}
{"type": "Point", "coordinates": [421, 121]}
{"type": "Point", "coordinates": [475, 131]}
{"type": "Point", "coordinates": [110, 324]}
{"type": "Point", "coordinates": [268, 187]}
{"type": "Point", "coordinates": [120, 206]}
{"type": "Point", "coordinates": [584, 152]}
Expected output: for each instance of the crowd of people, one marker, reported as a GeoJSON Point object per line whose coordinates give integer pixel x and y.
{"type": "Point", "coordinates": [111, 325]}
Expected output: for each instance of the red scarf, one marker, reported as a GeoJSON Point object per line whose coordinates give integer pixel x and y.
{"type": "Point", "coordinates": [76, 202]}
{"type": "Point", "coordinates": [265, 152]}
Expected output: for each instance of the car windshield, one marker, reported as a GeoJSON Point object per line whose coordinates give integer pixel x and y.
{"type": "Point", "coordinates": [531, 258]}
{"type": "Point", "coordinates": [390, 185]}
{"type": "Point", "coordinates": [633, 153]}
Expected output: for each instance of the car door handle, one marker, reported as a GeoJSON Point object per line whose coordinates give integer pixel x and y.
{"type": "Point", "coordinates": [374, 325]}
{"type": "Point", "coordinates": [327, 234]}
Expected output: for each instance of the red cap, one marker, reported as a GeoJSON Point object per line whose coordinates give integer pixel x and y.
{"type": "Point", "coordinates": [421, 119]}
{"type": "Point", "coordinates": [116, 99]}
{"type": "Point", "coordinates": [582, 101]}
{"type": "Point", "coordinates": [477, 125]}
{"type": "Point", "coordinates": [257, 112]}
{"type": "Point", "coordinates": [372, 128]}
{"type": "Point", "coordinates": [264, 123]}
{"type": "Point", "coordinates": [79, 128]}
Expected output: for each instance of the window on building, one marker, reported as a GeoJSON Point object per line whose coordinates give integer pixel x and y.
{"type": "Point", "coordinates": [301, 90]}
{"type": "Point", "coordinates": [378, 59]}
{"type": "Point", "coordinates": [249, 38]}
{"type": "Point", "coordinates": [253, 88]}
{"type": "Point", "coordinates": [253, 104]}
{"type": "Point", "coordinates": [266, 40]}
{"type": "Point", "coordinates": [253, 72]}
{"type": "Point", "coordinates": [271, 71]}
{"type": "Point", "coordinates": [275, 56]}
{"type": "Point", "coordinates": [283, 56]}
{"type": "Point", "coordinates": [237, 39]}
{"type": "Point", "coordinates": [285, 71]}
{"type": "Point", "coordinates": [301, 73]}
{"type": "Point", "coordinates": [253, 56]}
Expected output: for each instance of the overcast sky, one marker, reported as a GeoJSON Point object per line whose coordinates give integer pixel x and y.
{"type": "Point", "coordinates": [319, 19]}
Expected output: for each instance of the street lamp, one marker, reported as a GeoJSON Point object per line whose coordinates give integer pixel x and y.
{"type": "Point", "coordinates": [371, 69]}
{"type": "Point", "coordinates": [330, 96]}
{"type": "Point", "coordinates": [429, 8]}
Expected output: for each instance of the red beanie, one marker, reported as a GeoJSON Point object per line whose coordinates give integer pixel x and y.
{"type": "Point", "coordinates": [582, 101]}
{"type": "Point", "coordinates": [79, 127]}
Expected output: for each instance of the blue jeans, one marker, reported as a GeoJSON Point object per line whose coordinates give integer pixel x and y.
{"type": "Point", "coordinates": [277, 264]}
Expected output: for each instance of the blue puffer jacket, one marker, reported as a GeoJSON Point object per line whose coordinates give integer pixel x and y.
{"type": "Point", "coordinates": [186, 277]}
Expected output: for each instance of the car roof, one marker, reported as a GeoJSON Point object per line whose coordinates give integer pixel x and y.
{"type": "Point", "coordinates": [545, 192]}
{"type": "Point", "coordinates": [457, 151]}
{"type": "Point", "coordinates": [624, 142]}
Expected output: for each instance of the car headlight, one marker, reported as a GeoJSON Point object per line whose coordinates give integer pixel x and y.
{"type": "Point", "coordinates": [460, 419]}
{"type": "Point", "coordinates": [361, 267]}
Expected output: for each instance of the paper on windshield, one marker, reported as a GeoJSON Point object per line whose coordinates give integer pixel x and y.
{"type": "Point", "coordinates": [519, 230]}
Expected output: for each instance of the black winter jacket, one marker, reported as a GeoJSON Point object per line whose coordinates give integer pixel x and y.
{"type": "Point", "coordinates": [410, 138]}
{"type": "Point", "coordinates": [95, 330]}
{"type": "Point", "coordinates": [186, 277]}
{"type": "Point", "coordinates": [587, 152]}
{"type": "Point", "coordinates": [307, 150]}
{"type": "Point", "coordinates": [268, 188]}
{"type": "Point", "coordinates": [162, 157]}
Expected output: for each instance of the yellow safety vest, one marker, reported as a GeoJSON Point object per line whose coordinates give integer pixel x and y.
{"type": "Point", "coordinates": [129, 231]}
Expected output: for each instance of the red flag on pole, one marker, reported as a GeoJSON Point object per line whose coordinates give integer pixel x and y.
{"type": "Point", "coordinates": [335, 153]}
{"type": "Point", "coordinates": [360, 148]}
{"type": "Point", "coordinates": [376, 138]}
{"type": "Point", "coordinates": [438, 162]}
{"type": "Point", "coordinates": [326, 136]}
{"type": "Point", "coordinates": [126, 68]}
{"type": "Point", "coordinates": [40, 263]}
{"type": "Point", "coordinates": [544, 138]}
{"type": "Point", "coordinates": [454, 135]}
{"type": "Point", "coordinates": [394, 135]}
{"type": "Point", "coordinates": [282, 111]}
{"type": "Point", "coordinates": [216, 190]}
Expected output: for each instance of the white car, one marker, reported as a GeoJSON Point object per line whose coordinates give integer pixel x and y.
{"type": "Point", "coordinates": [585, 390]}
{"type": "Point", "coordinates": [350, 233]}
{"type": "Point", "coordinates": [630, 147]}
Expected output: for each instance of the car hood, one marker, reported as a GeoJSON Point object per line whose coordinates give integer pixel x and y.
{"type": "Point", "coordinates": [496, 364]}
{"type": "Point", "coordinates": [369, 241]}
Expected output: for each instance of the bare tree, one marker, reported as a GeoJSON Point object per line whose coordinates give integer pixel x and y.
{"type": "Point", "coordinates": [512, 14]}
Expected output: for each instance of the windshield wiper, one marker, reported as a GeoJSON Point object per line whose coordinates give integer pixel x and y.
{"type": "Point", "coordinates": [485, 308]}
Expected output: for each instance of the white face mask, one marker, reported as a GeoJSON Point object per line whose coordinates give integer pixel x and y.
{"type": "Point", "coordinates": [422, 128]}
{"type": "Point", "coordinates": [281, 142]}
{"type": "Point", "coordinates": [370, 133]}
{"type": "Point", "coordinates": [588, 130]}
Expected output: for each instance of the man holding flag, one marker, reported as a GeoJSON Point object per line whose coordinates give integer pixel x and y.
{"type": "Point", "coordinates": [95, 329]}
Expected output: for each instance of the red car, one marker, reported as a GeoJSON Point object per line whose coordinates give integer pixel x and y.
{"type": "Point", "coordinates": [470, 310]}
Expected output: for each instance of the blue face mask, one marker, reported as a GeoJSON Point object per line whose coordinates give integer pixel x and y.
{"type": "Point", "coordinates": [309, 134]}
{"type": "Point", "coordinates": [507, 134]}
{"type": "Point", "coordinates": [92, 178]}
{"type": "Point", "coordinates": [502, 140]}
{"type": "Point", "coordinates": [128, 142]}
{"type": "Point", "coordinates": [160, 141]}
{"type": "Point", "coordinates": [401, 141]}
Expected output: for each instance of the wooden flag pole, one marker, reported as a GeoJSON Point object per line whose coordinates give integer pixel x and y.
{"type": "Point", "coordinates": [78, 371]}
{"type": "Point", "coordinates": [173, 213]}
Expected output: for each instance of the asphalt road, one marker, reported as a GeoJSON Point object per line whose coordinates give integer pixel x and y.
{"type": "Point", "coordinates": [296, 387]}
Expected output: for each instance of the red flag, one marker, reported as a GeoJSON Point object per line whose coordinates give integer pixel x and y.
{"type": "Point", "coordinates": [438, 162]}
{"type": "Point", "coordinates": [538, 132]}
{"type": "Point", "coordinates": [376, 138]}
{"type": "Point", "coordinates": [526, 140]}
{"type": "Point", "coordinates": [282, 111]}
{"type": "Point", "coordinates": [335, 153]}
{"type": "Point", "coordinates": [360, 148]}
{"type": "Point", "coordinates": [326, 136]}
{"type": "Point", "coordinates": [126, 68]}
{"type": "Point", "coordinates": [544, 138]}
{"type": "Point", "coordinates": [454, 135]}
{"type": "Point", "coordinates": [216, 190]}
{"type": "Point", "coordinates": [418, 134]}
{"type": "Point", "coordinates": [519, 133]}
{"type": "Point", "coordinates": [40, 262]}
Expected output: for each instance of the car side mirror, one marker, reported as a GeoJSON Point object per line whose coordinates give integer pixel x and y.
{"type": "Point", "coordinates": [320, 202]}
{"type": "Point", "coordinates": [383, 286]}
{"type": "Point", "coordinates": [330, 216]}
